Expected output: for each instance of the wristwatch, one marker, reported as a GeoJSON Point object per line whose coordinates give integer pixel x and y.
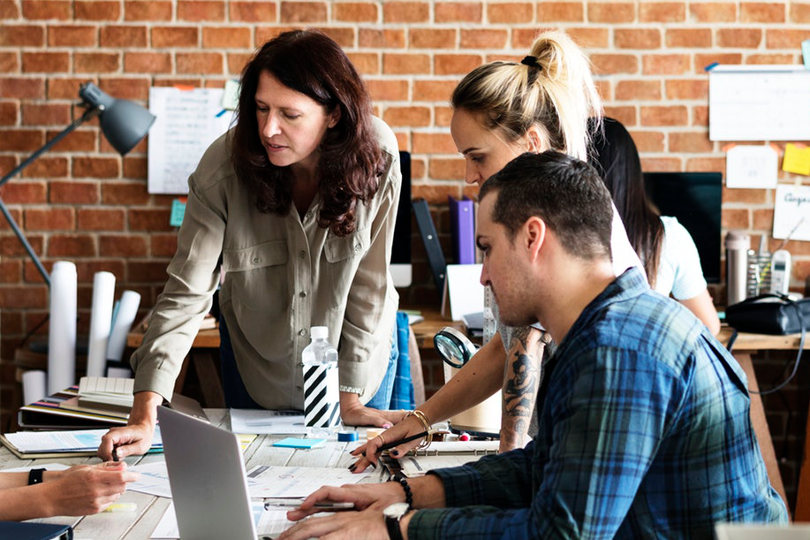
{"type": "Point", "coordinates": [393, 514]}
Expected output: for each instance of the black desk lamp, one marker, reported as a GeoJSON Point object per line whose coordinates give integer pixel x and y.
{"type": "Point", "coordinates": [123, 124]}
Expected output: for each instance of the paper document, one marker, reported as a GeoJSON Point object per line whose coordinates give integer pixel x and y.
{"type": "Point", "coordinates": [268, 522]}
{"type": "Point", "coordinates": [64, 441]}
{"type": "Point", "coordinates": [271, 481]}
{"type": "Point", "coordinates": [267, 422]}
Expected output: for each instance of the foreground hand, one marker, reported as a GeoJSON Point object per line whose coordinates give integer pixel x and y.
{"type": "Point", "coordinates": [369, 452]}
{"type": "Point", "coordinates": [368, 524]}
{"type": "Point", "coordinates": [363, 496]}
{"type": "Point", "coordinates": [129, 440]}
{"type": "Point", "coordinates": [87, 489]}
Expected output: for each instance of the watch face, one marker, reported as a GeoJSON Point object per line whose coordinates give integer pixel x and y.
{"type": "Point", "coordinates": [396, 510]}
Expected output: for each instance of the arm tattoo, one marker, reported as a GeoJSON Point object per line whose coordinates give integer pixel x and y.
{"type": "Point", "coordinates": [521, 381]}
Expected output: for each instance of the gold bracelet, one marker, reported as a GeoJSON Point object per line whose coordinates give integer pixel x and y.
{"type": "Point", "coordinates": [422, 417]}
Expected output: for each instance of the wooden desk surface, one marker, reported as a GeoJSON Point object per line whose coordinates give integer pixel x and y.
{"type": "Point", "coordinates": [139, 525]}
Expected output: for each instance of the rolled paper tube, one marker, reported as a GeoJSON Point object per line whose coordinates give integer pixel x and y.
{"type": "Point", "coordinates": [62, 327]}
{"type": "Point", "coordinates": [100, 323]}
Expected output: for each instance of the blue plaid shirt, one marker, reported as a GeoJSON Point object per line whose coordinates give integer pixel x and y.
{"type": "Point", "coordinates": [644, 432]}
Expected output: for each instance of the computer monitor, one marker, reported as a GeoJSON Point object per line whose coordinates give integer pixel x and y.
{"type": "Point", "coordinates": [695, 198]}
{"type": "Point", "coordinates": [401, 270]}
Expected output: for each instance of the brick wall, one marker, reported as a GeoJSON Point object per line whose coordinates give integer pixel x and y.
{"type": "Point", "coordinates": [83, 202]}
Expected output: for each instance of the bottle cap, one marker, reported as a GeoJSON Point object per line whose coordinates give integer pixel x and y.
{"type": "Point", "coordinates": [319, 332]}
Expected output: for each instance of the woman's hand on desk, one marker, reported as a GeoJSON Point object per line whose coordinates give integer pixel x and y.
{"type": "Point", "coordinates": [369, 452]}
{"type": "Point", "coordinates": [86, 489]}
{"type": "Point", "coordinates": [355, 413]}
{"type": "Point", "coordinates": [136, 437]}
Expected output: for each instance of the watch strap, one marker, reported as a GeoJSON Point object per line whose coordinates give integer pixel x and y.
{"type": "Point", "coordinates": [35, 476]}
{"type": "Point", "coordinates": [392, 524]}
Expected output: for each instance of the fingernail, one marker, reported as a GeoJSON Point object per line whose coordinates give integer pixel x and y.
{"type": "Point", "coordinates": [353, 467]}
{"type": "Point", "coordinates": [387, 426]}
{"type": "Point", "coordinates": [363, 453]}
{"type": "Point", "coordinates": [395, 452]}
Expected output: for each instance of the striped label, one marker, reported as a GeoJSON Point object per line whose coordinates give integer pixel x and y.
{"type": "Point", "coordinates": [321, 397]}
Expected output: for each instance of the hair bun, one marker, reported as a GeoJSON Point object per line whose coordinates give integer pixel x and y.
{"type": "Point", "coordinates": [531, 61]}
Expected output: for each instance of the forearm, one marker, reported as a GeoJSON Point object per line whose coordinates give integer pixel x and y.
{"type": "Point", "coordinates": [25, 502]}
{"type": "Point", "coordinates": [521, 379]}
{"type": "Point", "coordinates": [144, 408]}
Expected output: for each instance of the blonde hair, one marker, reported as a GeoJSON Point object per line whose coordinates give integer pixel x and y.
{"type": "Point", "coordinates": [552, 89]}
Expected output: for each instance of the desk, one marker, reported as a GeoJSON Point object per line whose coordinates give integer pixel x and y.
{"type": "Point", "coordinates": [140, 524]}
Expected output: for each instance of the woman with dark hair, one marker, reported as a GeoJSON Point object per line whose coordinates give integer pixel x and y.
{"type": "Point", "coordinates": [669, 254]}
{"type": "Point", "coordinates": [296, 206]}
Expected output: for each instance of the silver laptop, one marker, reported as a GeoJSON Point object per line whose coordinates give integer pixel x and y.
{"type": "Point", "coordinates": [207, 479]}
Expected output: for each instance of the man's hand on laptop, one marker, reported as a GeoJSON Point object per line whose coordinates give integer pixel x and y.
{"type": "Point", "coordinates": [136, 437]}
{"type": "Point", "coordinates": [355, 413]}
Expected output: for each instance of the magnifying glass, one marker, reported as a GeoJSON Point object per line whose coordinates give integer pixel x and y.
{"type": "Point", "coordinates": [454, 347]}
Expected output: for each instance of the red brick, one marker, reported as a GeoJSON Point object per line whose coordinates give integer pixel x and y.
{"type": "Point", "coordinates": [123, 36]}
{"type": "Point", "coordinates": [9, 63]}
{"type": "Point", "coordinates": [236, 62]}
{"type": "Point", "coordinates": [45, 62]}
{"type": "Point", "coordinates": [174, 36]}
{"type": "Point", "coordinates": [433, 143]}
{"type": "Point", "coordinates": [226, 38]}
{"type": "Point", "coordinates": [433, 90]}
{"type": "Point", "coordinates": [355, 12]}
{"type": "Point", "coordinates": [799, 12]}
{"type": "Point", "coordinates": [342, 36]}
{"type": "Point", "coordinates": [432, 38]}
{"type": "Point", "coordinates": [21, 139]}
{"type": "Point", "coordinates": [67, 88]}
{"type": "Point", "coordinates": [74, 192]}
{"type": "Point", "coordinates": [625, 115]}
{"type": "Point", "coordinates": [202, 62]}
{"type": "Point", "coordinates": [147, 10]}
{"type": "Point", "coordinates": [750, 196]}
{"type": "Point", "coordinates": [96, 62]}
{"type": "Point", "coordinates": [45, 9]}
{"type": "Point", "coordinates": [771, 59]}
{"type": "Point", "coordinates": [666, 12]}
{"type": "Point", "coordinates": [607, 64]}
{"type": "Point", "coordinates": [303, 12]}
{"type": "Point", "coordinates": [45, 114]}
{"type": "Point", "coordinates": [632, 38]}
{"type": "Point", "coordinates": [470, 12]}
{"type": "Point", "coordinates": [442, 115]}
{"type": "Point", "coordinates": [407, 64]}
{"type": "Point", "coordinates": [11, 247]}
{"type": "Point", "coordinates": [706, 12]}
{"type": "Point", "coordinates": [762, 12]}
{"type": "Point", "coordinates": [588, 37]}
{"type": "Point", "coordinates": [122, 246]}
{"type": "Point", "coordinates": [687, 89]}
{"type": "Point", "coordinates": [388, 38]}
{"type": "Point", "coordinates": [91, 10]}
{"type": "Point", "coordinates": [406, 12]}
{"type": "Point", "coordinates": [674, 115]}
{"type": "Point", "coordinates": [252, 12]}
{"type": "Point", "coordinates": [689, 37]}
{"type": "Point", "coordinates": [18, 35]}
{"type": "Point", "coordinates": [23, 297]}
{"type": "Point", "coordinates": [407, 116]}
{"type": "Point", "coordinates": [8, 113]}
{"type": "Point", "coordinates": [96, 167]}
{"type": "Point", "coordinates": [134, 167]}
{"type": "Point", "coordinates": [200, 10]}
{"type": "Point", "coordinates": [124, 193]}
{"type": "Point", "coordinates": [665, 64]}
{"type": "Point", "coordinates": [10, 272]}
{"type": "Point", "coordinates": [638, 90]}
{"type": "Point", "coordinates": [660, 164]}
{"type": "Point", "coordinates": [648, 141]}
{"type": "Point", "coordinates": [446, 169]}
{"type": "Point", "coordinates": [613, 12]}
{"type": "Point", "coordinates": [136, 89]}
{"type": "Point", "coordinates": [148, 271]}
{"type": "Point", "coordinates": [13, 87]}
{"type": "Point", "coordinates": [162, 245]}
{"type": "Point", "coordinates": [149, 219]}
{"type": "Point", "coordinates": [73, 245]}
{"type": "Point", "coordinates": [72, 36]}
{"type": "Point", "coordinates": [703, 60]}
{"type": "Point", "coordinates": [455, 64]}
{"type": "Point", "coordinates": [21, 192]}
{"type": "Point", "coordinates": [49, 219]}
{"type": "Point", "coordinates": [784, 39]}
{"type": "Point", "coordinates": [367, 63]}
{"type": "Point", "coordinates": [511, 12]}
{"type": "Point", "coordinates": [483, 39]}
{"type": "Point", "coordinates": [81, 140]}
{"type": "Point", "coordinates": [735, 218]}
{"type": "Point", "coordinates": [557, 12]}
{"type": "Point", "coordinates": [147, 62]}
{"type": "Point", "coordinates": [690, 142]}
{"type": "Point", "coordinates": [387, 89]}
{"type": "Point", "coordinates": [9, 10]}
{"type": "Point", "coordinates": [750, 38]}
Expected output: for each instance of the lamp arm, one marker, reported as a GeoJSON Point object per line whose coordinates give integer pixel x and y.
{"type": "Point", "coordinates": [88, 114]}
{"type": "Point", "coordinates": [24, 242]}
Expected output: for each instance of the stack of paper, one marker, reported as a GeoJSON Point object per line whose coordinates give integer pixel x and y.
{"type": "Point", "coordinates": [40, 444]}
{"type": "Point", "coordinates": [107, 393]}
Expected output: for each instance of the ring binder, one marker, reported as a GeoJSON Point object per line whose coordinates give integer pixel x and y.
{"type": "Point", "coordinates": [431, 240]}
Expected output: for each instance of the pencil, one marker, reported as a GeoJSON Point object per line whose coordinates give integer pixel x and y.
{"type": "Point", "coordinates": [388, 446]}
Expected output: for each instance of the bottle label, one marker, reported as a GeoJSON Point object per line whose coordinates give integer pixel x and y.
{"type": "Point", "coordinates": [321, 397]}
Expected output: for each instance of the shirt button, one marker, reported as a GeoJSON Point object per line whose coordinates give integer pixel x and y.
{"type": "Point", "coordinates": [302, 254]}
{"type": "Point", "coordinates": [303, 294]}
{"type": "Point", "coordinates": [357, 248]}
{"type": "Point", "coordinates": [256, 260]}
{"type": "Point", "coordinates": [302, 332]}
{"type": "Point", "coordinates": [299, 387]}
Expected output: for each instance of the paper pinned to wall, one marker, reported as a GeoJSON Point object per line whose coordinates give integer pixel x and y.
{"type": "Point", "coordinates": [751, 166]}
{"type": "Point", "coordinates": [188, 121]}
{"type": "Point", "coordinates": [759, 103]}
{"type": "Point", "coordinates": [797, 159]}
{"type": "Point", "coordinates": [791, 213]}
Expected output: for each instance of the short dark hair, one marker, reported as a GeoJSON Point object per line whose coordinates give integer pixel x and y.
{"type": "Point", "coordinates": [566, 193]}
{"type": "Point", "coordinates": [351, 160]}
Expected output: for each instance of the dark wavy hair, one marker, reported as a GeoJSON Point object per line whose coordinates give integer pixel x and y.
{"type": "Point", "coordinates": [351, 161]}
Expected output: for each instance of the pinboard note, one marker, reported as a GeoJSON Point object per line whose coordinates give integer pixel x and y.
{"type": "Point", "coordinates": [751, 166]}
{"type": "Point", "coordinates": [791, 213]}
{"type": "Point", "coordinates": [188, 121]}
{"type": "Point", "coordinates": [759, 103]}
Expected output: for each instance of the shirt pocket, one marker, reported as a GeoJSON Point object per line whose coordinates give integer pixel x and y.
{"type": "Point", "coordinates": [343, 255]}
{"type": "Point", "coordinates": [255, 257]}
{"type": "Point", "coordinates": [257, 276]}
{"type": "Point", "coordinates": [341, 248]}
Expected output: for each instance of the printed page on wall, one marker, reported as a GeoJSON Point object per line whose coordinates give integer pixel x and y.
{"type": "Point", "coordinates": [791, 214]}
{"type": "Point", "coordinates": [188, 121]}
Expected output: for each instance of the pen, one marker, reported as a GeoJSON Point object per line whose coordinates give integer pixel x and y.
{"type": "Point", "coordinates": [114, 454]}
{"type": "Point", "coordinates": [295, 502]}
{"type": "Point", "coordinates": [388, 446]}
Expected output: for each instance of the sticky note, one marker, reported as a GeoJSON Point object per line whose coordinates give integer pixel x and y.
{"type": "Point", "coordinates": [178, 211]}
{"type": "Point", "coordinates": [230, 98]}
{"type": "Point", "coordinates": [292, 442]}
{"type": "Point", "coordinates": [796, 160]}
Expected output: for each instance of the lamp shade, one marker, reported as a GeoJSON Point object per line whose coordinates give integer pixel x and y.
{"type": "Point", "coordinates": [123, 122]}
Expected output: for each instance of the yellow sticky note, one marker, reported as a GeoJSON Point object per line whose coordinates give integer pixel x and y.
{"type": "Point", "coordinates": [796, 160]}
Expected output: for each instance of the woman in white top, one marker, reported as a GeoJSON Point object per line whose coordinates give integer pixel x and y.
{"type": "Point", "coordinates": [668, 251]}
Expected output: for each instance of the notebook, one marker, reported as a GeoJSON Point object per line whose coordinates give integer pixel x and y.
{"type": "Point", "coordinates": [207, 479]}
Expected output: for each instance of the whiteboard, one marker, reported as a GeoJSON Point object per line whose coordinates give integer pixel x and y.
{"type": "Point", "coordinates": [759, 103]}
{"type": "Point", "coordinates": [188, 121]}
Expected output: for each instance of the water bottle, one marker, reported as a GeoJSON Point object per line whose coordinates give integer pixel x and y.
{"type": "Point", "coordinates": [321, 390]}
{"type": "Point", "coordinates": [737, 244]}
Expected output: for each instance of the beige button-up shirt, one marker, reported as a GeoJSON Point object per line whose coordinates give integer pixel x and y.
{"type": "Point", "coordinates": [281, 275]}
